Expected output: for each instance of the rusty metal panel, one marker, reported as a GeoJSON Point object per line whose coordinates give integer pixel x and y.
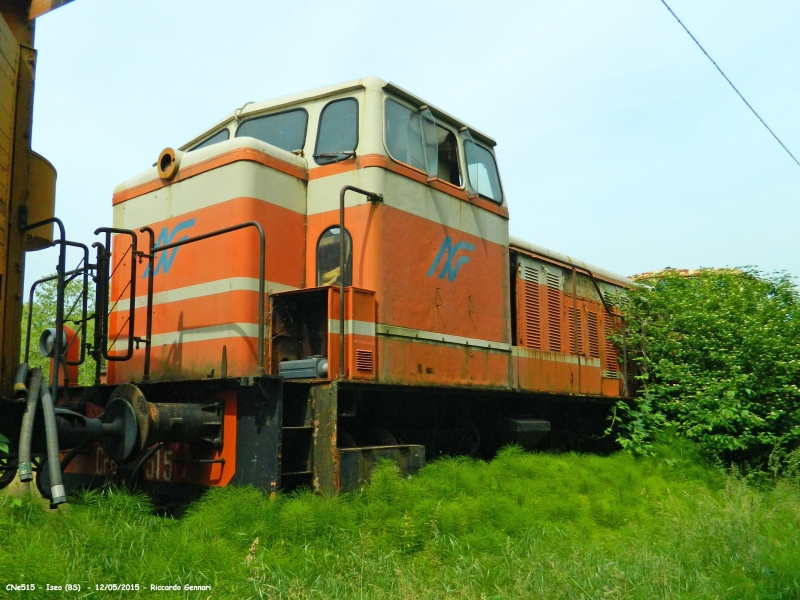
{"type": "Point", "coordinates": [9, 61]}
{"type": "Point", "coordinates": [324, 453]}
{"type": "Point", "coordinates": [13, 263]}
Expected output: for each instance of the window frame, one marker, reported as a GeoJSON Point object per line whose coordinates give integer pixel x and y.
{"type": "Point", "coordinates": [319, 128]}
{"type": "Point", "coordinates": [349, 255]}
{"type": "Point", "coordinates": [199, 145]}
{"type": "Point", "coordinates": [280, 112]}
{"type": "Point", "coordinates": [447, 127]}
{"type": "Point", "coordinates": [496, 170]}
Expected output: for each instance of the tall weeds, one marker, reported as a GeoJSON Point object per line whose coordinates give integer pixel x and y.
{"type": "Point", "coordinates": [522, 526]}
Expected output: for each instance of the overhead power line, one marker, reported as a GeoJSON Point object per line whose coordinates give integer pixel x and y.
{"type": "Point", "coordinates": [686, 29]}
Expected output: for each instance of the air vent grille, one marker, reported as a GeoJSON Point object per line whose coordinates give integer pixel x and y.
{"type": "Point", "coordinates": [611, 358]}
{"type": "Point", "coordinates": [364, 360]}
{"type": "Point", "coordinates": [533, 328]}
{"type": "Point", "coordinates": [612, 366]}
{"type": "Point", "coordinates": [575, 331]}
{"type": "Point", "coordinates": [554, 311]}
{"type": "Point", "coordinates": [530, 274]}
{"type": "Point", "coordinates": [594, 334]}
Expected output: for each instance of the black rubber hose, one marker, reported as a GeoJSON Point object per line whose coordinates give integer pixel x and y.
{"type": "Point", "coordinates": [26, 434]}
{"type": "Point", "coordinates": [72, 454]}
{"type": "Point", "coordinates": [20, 379]}
{"type": "Point", "coordinates": [53, 459]}
{"type": "Point", "coordinates": [148, 455]}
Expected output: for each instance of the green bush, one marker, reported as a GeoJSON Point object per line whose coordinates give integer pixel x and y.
{"type": "Point", "coordinates": [718, 353]}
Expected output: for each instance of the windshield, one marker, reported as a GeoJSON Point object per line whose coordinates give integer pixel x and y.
{"type": "Point", "coordinates": [337, 137]}
{"type": "Point", "coordinates": [406, 142]}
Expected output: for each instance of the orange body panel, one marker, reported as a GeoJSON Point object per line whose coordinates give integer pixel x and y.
{"type": "Point", "coordinates": [228, 256]}
{"type": "Point", "coordinates": [191, 359]}
{"type": "Point", "coordinates": [555, 373]}
{"type": "Point", "coordinates": [231, 255]}
{"type": "Point", "coordinates": [424, 363]}
{"type": "Point", "coordinates": [394, 252]}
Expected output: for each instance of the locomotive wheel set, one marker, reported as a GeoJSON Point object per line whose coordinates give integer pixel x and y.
{"type": "Point", "coordinates": [313, 284]}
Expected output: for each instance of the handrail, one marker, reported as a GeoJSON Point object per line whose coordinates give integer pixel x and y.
{"type": "Point", "coordinates": [205, 236]}
{"type": "Point", "coordinates": [60, 268]}
{"type": "Point", "coordinates": [132, 303]}
{"type": "Point", "coordinates": [149, 318]}
{"type": "Point", "coordinates": [371, 197]}
{"type": "Point", "coordinates": [29, 325]}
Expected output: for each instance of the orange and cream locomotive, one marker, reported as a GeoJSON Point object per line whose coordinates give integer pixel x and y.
{"type": "Point", "coordinates": [320, 281]}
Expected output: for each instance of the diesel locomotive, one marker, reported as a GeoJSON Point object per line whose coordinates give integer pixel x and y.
{"type": "Point", "coordinates": [312, 284]}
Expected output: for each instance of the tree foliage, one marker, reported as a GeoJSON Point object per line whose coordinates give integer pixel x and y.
{"type": "Point", "coordinates": [44, 317]}
{"type": "Point", "coordinates": [719, 359]}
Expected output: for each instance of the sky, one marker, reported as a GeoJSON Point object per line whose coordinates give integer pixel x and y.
{"type": "Point", "coordinates": [618, 141]}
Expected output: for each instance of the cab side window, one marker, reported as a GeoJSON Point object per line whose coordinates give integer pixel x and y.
{"type": "Point", "coordinates": [286, 130]}
{"type": "Point", "coordinates": [221, 136]}
{"type": "Point", "coordinates": [328, 257]}
{"type": "Point", "coordinates": [337, 137]}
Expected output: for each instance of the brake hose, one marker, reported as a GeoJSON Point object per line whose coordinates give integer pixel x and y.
{"type": "Point", "coordinates": [26, 434]}
{"type": "Point", "coordinates": [57, 492]}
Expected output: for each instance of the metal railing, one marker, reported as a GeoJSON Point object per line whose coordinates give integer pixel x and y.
{"type": "Point", "coordinates": [371, 197]}
{"type": "Point", "coordinates": [261, 287]}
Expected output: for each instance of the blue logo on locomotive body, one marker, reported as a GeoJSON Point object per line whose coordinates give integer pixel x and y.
{"type": "Point", "coordinates": [452, 263]}
{"type": "Point", "coordinates": [165, 236]}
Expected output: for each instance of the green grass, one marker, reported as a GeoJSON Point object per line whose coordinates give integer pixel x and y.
{"type": "Point", "coordinates": [523, 526]}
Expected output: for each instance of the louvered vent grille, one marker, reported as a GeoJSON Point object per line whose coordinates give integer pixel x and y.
{"type": "Point", "coordinates": [530, 274]}
{"type": "Point", "coordinates": [554, 311]}
{"type": "Point", "coordinates": [533, 328]}
{"type": "Point", "coordinates": [594, 334]}
{"type": "Point", "coordinates": [612, 366]}
{"type": "Point", "coordinates": [575, 331]}
{"type": "Point", "coordinates": [364, 360]}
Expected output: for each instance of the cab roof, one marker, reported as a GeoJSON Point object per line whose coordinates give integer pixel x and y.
{"type": "Point", "coordinates": [369, 83]}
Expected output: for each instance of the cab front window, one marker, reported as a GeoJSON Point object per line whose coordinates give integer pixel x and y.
{"type": "Point", "coordinates": [286, 130]}
{"type": "Point", "coordinates": [412, 139]}
{"type": "Point", "coordinates": [337, 137]}
{"type": "Point", "coordinates": [482, 172]}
